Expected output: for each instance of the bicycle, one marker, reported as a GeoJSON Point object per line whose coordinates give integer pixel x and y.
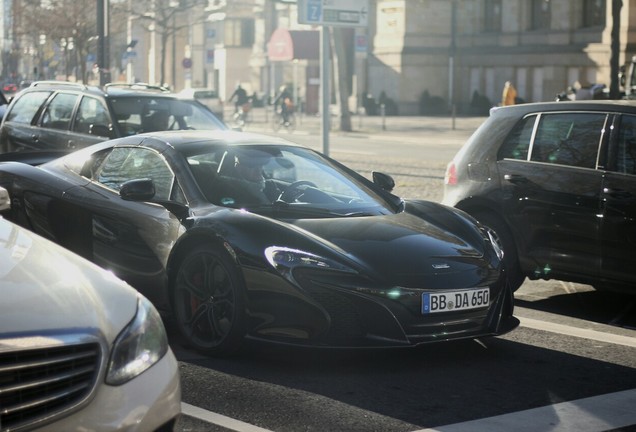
{"type": "Point", "coordinates": [278, 122]}
{"type": "Point", "coordinates": [241, 117]}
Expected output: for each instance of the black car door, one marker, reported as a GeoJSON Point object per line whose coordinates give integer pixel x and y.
{"type": "Point", "coordinates": [54, 123]}
{"type": "Point", "coordinates": [133, 239]}
{"type": "Point", "coordinates": [92, 123]}
{"type": "Point", "coordinates": [552, 197]}
{"type": "Point", "coordinates": [619, 206]}
{"type": "Point", "coordinates": [18, 131]}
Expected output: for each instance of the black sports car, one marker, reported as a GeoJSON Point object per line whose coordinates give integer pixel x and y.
{"type": "Point", "coordinates": [242, 235]}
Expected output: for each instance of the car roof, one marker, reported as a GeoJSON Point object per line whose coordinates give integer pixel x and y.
{"type": "Point", "coordinates": [189, 142]}
{"type": "Point", "coordinates": [622, 105]}
{"type": "Point", "coordinates": [110, 89]}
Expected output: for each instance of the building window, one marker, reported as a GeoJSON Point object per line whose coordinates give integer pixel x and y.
{"type": "Point", "coordinates": [492, 16]}
{"type": "Point", "coordinates": [239, 32]}
{"type": "Point", "coordinates": [593, 13]}
{"type": "Point", "coordinates": [540, 14]}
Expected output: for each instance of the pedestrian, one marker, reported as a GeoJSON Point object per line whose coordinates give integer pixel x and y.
{"type": "Point", "coordinates": [509, 94]}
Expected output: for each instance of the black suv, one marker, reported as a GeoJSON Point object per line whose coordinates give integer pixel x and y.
{"type": "Point", "coordinates": [62, 116]}
{"type": "Point", "coordinates": [557, 182]}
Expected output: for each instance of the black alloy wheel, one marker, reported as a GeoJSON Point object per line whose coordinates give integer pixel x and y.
{"type": "Point", "coordinates": [208, 302]}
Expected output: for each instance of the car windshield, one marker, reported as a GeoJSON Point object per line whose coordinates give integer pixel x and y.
{"type": "Point", "coordinates": [269, 179]}
{"type": "Point", "coordinates": [141, 114]}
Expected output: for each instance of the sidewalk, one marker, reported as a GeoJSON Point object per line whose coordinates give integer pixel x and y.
{"type": "Point", "coordinates": [413, 126]}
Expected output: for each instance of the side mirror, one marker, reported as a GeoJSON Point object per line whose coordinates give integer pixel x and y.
{"type": "Point", "coordinates": [143, 190]}
{"type": "Point", "coordinates": [385, 181]}
{"type": "Point", "coordinates": [137, 190]}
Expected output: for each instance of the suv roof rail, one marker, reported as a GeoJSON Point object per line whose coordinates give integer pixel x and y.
{"type": "Point", "coordinates": [59, 83]}
{"type": "Point", "coordinates": [137, 86]}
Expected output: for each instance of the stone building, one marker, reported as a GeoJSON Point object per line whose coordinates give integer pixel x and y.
{"type": "Point", "coordinates": [542, 46]}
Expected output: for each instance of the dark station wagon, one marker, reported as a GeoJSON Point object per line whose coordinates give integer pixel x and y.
{"type": "Point", "coordinates": [58, 116]}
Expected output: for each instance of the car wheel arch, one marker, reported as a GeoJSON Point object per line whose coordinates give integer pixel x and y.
{"type": "Point", "coordinates": [190, 241]}
{"type": "Point", "coordinates": [490, 217]}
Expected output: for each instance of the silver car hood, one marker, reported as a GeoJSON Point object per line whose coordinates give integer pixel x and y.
{"type": "Point", "coordinates": [44, 288]}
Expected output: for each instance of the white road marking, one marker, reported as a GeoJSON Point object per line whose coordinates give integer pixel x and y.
{"type": "Point", "coordinates": [594, 414]}
{"type": "Point", "coordinates": [578, 332]}
{"type": "Point", "coordinates": [218, 419]}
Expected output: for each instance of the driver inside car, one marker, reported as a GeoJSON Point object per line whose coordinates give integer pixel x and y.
{"type": "Point", "coordinates": [157, 121]}
{"type": "Point", "coordinates": [245, 183]}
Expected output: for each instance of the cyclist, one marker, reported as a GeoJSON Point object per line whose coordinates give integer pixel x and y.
{"type": "Point", "coordinates": [241, 98]}
{"type": "Point", "coordinates": [284, 100]}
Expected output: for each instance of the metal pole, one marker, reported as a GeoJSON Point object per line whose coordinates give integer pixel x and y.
{"type": "Point", "coordinates": [174, 52]}
{"type": "Point", "coordinates": [103, 41]}
{"type": "Point", "coordinates": [325, 67]}
{"type": "Point", "coordinates": [451, 62]}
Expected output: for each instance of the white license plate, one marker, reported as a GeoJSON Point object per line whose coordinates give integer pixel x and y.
{"type": "Point", "coordinates": [455, 300]}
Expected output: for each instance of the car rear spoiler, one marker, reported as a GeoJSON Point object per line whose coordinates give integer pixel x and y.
{"type": "Point", "coordinates": [33, 157]}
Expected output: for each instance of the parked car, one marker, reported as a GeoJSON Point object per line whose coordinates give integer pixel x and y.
{"type": "Point", "coordinates": [241, 234]}
{"type": "Point", "coordinates": [10, 88]}
{"type": "Point", "coordinates": [557, 182]}
{"type": "Point", "coordinates": [79, 349]}
{"type": "Point", "coordinates": [63, 116]}
{"type": "Point", "coordinates": [4, 103]}
{"type": "Point", "coordinates": [207, 97]}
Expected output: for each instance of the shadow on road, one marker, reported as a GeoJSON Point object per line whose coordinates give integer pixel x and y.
{"type": "Point", "coordinates": [598, 306]}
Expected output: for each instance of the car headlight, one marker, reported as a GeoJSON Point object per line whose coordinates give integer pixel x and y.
{"type": "Point", "coordinates": [494, 240]}
{"type": "Point", "coordinates": [285, 260]}
{"type": "Point", "coordinates": [139, 346]}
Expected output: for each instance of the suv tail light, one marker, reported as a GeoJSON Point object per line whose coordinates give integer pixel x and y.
{"type": "Point", "coordinates": [450, 178]}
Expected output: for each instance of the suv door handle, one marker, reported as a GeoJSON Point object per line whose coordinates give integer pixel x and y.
{"type": "Point", "coordinates": [514, 178]}
{"type": "Point", "coordinates": [35, 138]}
{"type": "Point", "coordinates": [617, 193]}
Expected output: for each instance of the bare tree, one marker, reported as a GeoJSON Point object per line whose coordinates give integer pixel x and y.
{"type": "Point", "coordinates": [68, 20]}
{"type": "Point", "coordinates": [166, 18]}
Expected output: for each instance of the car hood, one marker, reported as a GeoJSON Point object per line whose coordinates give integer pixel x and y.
{"type": "Point", "coordinates": [404, 248]}
{"type": "Point", "coordinates": [46, 288]}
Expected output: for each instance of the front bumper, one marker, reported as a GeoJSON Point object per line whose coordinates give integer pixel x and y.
{"type": "Point", "coordinates": [334, 312]}
{"type": "Point", "coordinates": [149, 402]}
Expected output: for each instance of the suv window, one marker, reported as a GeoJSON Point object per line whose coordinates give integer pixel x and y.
{"type": "Point", "coordinates": [626, 148]}
{"type": "Point", "coordinates": [517, 143]}
{"type": "Point", "coordinates": [571, 139]}
{"type": "Point", "coordinates": [92, 117]}
{"type": "Point", "coordinates": [27, 106]}
{"type": "Point", "coordinates": [58, 113]}
{"type": "Point", "coordinates": [148, 114]}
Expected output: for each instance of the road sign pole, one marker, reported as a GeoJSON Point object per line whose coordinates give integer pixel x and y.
{"type": "Point", "coordinates": [325, 69]}
{"type": "Point", "coordinates": [326, 13]}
